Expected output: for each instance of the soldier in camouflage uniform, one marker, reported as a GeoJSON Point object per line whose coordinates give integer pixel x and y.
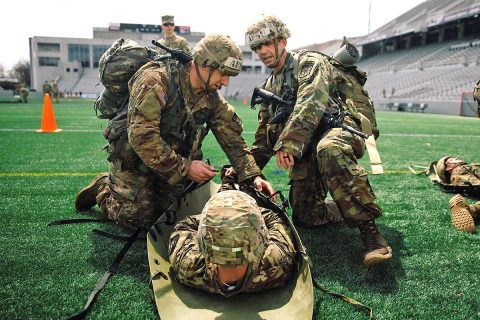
{"type": "Point", "coordinates": [310, 78]}
{"type": "Point", "coordinates": [476, 96]}
{"type": "Point", "coordinates": [233, 246]}
{"type": "Point", "coordinates": [457, 172]}
{"type": "Point", "coordinates": [156, 151]}
{"type": "Point", "coordinates": [170, 39]}
{"type": "Point", "coordinates": [47, 88]}
{"type": "Point", "coordinates": [55, 90]}
{"type": "Point", "coordinates": [24, 93]}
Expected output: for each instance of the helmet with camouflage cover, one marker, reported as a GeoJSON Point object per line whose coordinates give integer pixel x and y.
{"type": "Point", "coordinates": [440, 168]}
{"type": "Point", "coordinates": [219, 52]}
{"type": "Point", "coordinates": [267, 27]}
{"type": "Point", "coordinates": [232, 231]}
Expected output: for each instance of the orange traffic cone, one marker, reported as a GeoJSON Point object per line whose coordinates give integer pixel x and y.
{"type": "Point", "coordinates": [244, 101]}
{"type": "Point", "coordinates": [48, 118]}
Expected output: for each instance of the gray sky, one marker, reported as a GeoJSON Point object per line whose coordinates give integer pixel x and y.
{"type": "Point", "coordinates": [309, 21]}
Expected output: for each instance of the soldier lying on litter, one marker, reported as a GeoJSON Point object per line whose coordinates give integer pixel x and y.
{"type": "Point", "coordinates": [233, 246]}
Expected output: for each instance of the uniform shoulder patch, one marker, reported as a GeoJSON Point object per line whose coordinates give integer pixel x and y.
{"type": "Point", "coordinates": [306, 69]}
{"type": "Point", "coordinates": [237, 119]}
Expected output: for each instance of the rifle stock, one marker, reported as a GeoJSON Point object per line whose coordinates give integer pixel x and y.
{"type": "Point", "coordinates": [286, 108]}
{"type": "Point", "coordinates": [177, 54]}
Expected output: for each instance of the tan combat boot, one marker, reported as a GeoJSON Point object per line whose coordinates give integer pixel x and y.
{"type": "Point", "coordinates": [86, 198]}
{"type": "Point", "coordinates": [462, 214]}
{"type": "Point", "coordinates": [376, 248]}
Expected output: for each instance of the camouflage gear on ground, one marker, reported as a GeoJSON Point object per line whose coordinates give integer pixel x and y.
{"type": "Point", "coordinates": [232, 231]}
{"type": "Point", "coordinates": [466, 174]}
{"type": "Point", "coordinates": [274, 269]}
{"type": "Point", "coordinates": [219, 52]}
{"type": "Point", "coordinates": [266, 28]}
{"type": "Point", "coordinates": [173, 42]}
{"type": "Point", "coordinates": [330, 155]}
{"type": "Point", "coordinates": [150, 151]}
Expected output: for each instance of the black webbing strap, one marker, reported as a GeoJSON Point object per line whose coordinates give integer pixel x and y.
{"type": "Point", "coordinates": [344, 298]}
{"type": "Point", "coordinates": [268, 202]}
{"type": "Point", "coordinates": [75, 221]}
{"type": "Point", "coordinates": [106, 276]}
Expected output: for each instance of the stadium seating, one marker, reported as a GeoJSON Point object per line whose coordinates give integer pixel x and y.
{"type": "Point", "coordinates": [436, 72]}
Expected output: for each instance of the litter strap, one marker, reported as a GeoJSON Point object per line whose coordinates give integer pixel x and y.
{"type": "Point", "coordinates": [344, 298]}
{"type": "Point", "coordinates": [106, 276]}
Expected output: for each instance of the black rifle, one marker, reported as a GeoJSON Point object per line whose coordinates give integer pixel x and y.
{"type": "Point", "coordinates": [285, 108]}
{"type": "Point", "coordinates": [176, 54]}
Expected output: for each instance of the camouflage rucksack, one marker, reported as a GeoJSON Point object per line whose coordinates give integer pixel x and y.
{"type": "Point", "coordinates": [116, 66]}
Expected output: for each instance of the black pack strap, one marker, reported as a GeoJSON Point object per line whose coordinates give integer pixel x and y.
{"type": "Point", "coordinates": [112, 235]}
{"type": "Point", "coordinates": [106, 276]}
{"type": "Point", "coordinates": [75, 221]}
{"type": "Point", "coordinates": [344, 298]}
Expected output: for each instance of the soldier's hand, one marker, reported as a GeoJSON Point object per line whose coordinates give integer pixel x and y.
{"type": "Point", "coordinates": [284, 160]}
{"type": "Point", "coordinates": [199, 171]}
{"type": "Point", "coordinates": [264, 186]}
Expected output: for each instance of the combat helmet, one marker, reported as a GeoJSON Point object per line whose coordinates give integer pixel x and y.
{"type": "Point", "coordinates": [267, 27]}
{"type": "Point", "coordinates": [440, 168]}
{"type": "Point", "coordinates": [232, 231]}
{"type": "Point", "coordinates": [219, 52]}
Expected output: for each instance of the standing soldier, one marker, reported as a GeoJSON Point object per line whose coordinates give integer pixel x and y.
{"type": "Point", "coordinates": [24, 93]}
{"type": "Point", "coordinates": [310, 78]}
{"type": "Point", "coordinates": [55, 90]}
{"type": "Point", "coordinates": [156, 151]}
{"type": "Point", "coordinates": [170, 39]}
{"type": "Point", "coordinates": [47, 88]}
{"type": "Point", "coordinates": [476, 96]}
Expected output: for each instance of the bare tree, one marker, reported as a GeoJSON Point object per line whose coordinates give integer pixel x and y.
{"type": "Point", "coordinates": [2, 71]}
{"type": "Point", "coordinates": [21, 71]}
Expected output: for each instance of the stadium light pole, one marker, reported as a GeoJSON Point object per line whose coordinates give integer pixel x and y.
{"type": "Point", "coordinates": [369, 13]}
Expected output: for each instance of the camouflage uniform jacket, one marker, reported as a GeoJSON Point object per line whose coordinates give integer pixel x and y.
{"type": "Point", "coordinates": [274, 269]}
{"type": "Point", "coordinates": [55, 88]}
{"type": "Point", "coordinates": [313, 77]}
{"type": "Point", "coordinates": [47, 88]}
{"type": "Point", "coordinates": [476, 96]}
{"type": "Point", "coordinates": [466, 174]}
{"type": "Point", "coordinates": [173, 42]}
{"type": "Point", "coordinates": [161, 137]}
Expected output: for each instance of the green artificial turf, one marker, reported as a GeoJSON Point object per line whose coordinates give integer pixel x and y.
{"type": "Point", "coordinates": [48, 272]}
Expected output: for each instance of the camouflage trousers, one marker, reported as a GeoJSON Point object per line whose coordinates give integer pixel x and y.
{"type": "Point", "coordinates": [142, 209]}
{"type": "Point", "coordinates": [345, 180]}
{"type": "Point", "coordinates": [309, 207]}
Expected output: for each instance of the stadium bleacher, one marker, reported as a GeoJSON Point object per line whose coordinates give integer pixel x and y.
{"type": "Point", "coordinates": [430, 55]}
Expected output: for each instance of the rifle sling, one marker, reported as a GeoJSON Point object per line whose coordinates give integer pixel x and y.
{"type": "Point", "coordinates": [106, 276]}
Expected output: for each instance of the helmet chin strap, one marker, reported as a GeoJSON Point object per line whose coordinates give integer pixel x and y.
{"type": "Point", "coordinates": [205, 84]}
{"type": "Point", "coordinates": [277, 56]}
